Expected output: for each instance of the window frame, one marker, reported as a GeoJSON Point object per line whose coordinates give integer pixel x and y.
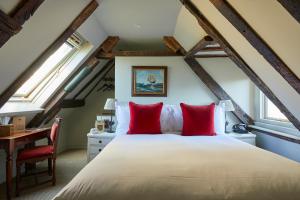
{"type": "Point", "coordinates": [284, 126]}
{"type": "Point", "coordinates": [76, 42]}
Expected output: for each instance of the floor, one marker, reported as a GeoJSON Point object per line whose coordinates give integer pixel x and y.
{"type": "Point", "coordinates": [68, 164]}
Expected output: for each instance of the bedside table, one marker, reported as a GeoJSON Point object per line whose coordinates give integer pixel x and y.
{"type": "Point", "coordinates": [97, 142]}
{"type": "Point", "coordinates": [246, 137]}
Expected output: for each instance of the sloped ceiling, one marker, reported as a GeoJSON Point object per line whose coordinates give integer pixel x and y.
{"type": "Point", "coordinates": [8, 6]}
{"type": "Point", "coordinates": [288, 96]}
{"type": "Point", "coordinates": [140, 24]}
{"type": "Point", "coordinates": [37, 34]}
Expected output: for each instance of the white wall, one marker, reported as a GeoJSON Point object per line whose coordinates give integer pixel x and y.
{"type": "Point", "coordinates": [183, 84]}
{"type": "Point", "coordinates": [233, 81]}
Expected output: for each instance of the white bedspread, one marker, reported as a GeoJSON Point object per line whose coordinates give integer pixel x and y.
{"type": "Point", "coordinates": [173, 167]}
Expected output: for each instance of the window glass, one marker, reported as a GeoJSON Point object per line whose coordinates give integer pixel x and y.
{"type": "Point", "coordinates": [272, 112]}
{"type": "Point", "coordinates": [46, 68]}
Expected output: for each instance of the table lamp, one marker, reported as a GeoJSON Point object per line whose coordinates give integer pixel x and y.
{"type": "Point", "coordinates": [228, 107]}
{"type": "Point", "coordinates": [110, 106]}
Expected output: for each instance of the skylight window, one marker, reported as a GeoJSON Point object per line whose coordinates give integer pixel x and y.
{"type": "Point", "coordinates": [49, 69]}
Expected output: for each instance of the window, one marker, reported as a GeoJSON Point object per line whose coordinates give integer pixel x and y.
{"type": "Point", "coordinates": [270, 117]}
{"type": "Point", "coordinates": [271, 112]}
{"type": "Point", "coordinates": [49, 69]}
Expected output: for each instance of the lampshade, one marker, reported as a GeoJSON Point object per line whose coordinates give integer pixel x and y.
{"type": "Point", "coordinates": [110, 104]}
{"type": "Point", "coordinates": [227, 105]}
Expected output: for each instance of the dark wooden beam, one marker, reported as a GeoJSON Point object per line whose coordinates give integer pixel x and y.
{"type": "Point", "coordinates": [216, 89]}
{"type": "Point", "coordinates": [173, 45]}
{"type": "Point", "coordinates": [293, 7]}
{"type": "Point", "coordinates": [100, 79]}
{"type": "Point", "coordinates": [207, 40]}
{"type": "Point", "coordinates": [237, 59]}
{"type": "Point", "coordinates": [13, 87]}
{"type": "Point", "coordinates": [109, 44]}
{"type": "Point", "coordinates": [12, 24]}
{"type": "Point", "coordinates": [137, 53]}
{"type": "Point", "coordinates": [211, 56]}
{"type": "Point", "coordinates": [257, 42]}
{"type": "Point", "coordinates": [72, 103]}
{"type": "Point", "coordinates": [106, 66]}
{"type": "Point", "coordinates": [26, 10]}
{"type": "Point", "coordinates": [208, 49]}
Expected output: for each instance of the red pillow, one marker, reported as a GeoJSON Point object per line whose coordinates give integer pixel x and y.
{"type": "Point", "coordinates": [144, 119]}
{"type": "Point", "coordinates": [198, 120]}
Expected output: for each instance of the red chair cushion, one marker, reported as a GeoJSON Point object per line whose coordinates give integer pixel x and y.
{"type": "Point", "coordinates": [198, 120]}
{"type": "Point", "coordinates": [35, 152]}
{"type": "Point", "coordinates": [144, 119]}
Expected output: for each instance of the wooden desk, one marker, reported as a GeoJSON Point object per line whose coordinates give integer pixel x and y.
{"type": "Point", "coordinates": [10, 143]}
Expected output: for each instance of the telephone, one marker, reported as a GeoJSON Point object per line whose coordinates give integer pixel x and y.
{"type": "Point", "coordinates": [240, 128]}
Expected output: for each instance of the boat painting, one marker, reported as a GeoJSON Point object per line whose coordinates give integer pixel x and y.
{"type": "Point", "coordinates": [149, 81]}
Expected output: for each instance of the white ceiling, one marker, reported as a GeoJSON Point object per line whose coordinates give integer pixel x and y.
{"type": "Point", "coordinates": [141, 24]}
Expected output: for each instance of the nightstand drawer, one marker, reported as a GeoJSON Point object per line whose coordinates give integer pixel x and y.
{"type": "Point", "coordinates": [99, 141]}
{"type": "Point", "coordinates": [95, 149]}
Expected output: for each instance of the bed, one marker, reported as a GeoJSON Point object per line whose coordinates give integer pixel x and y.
{"type": "Point", "coordinates": [173, 167]}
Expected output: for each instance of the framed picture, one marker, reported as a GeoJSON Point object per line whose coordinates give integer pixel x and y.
{"type": "Point", "coordinates": [149, 81]}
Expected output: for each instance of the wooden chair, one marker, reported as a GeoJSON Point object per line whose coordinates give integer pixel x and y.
{"type": "Point", "coordinates": [40, 153]}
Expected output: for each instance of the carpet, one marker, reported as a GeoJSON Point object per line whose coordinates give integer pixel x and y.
{"type": "Point", "coordinates": [68, 164]}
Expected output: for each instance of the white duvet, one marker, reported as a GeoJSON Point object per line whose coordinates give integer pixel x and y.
{"type": "Point", "coordinates": [173, 167]}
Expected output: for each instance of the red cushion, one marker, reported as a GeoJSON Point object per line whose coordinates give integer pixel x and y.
{"type": "Point", "coordinates": [35, 152]}
{"type": "Point", "coordinates": [145, 119]}
{"type": "Point", "coordinates": [198, 120]}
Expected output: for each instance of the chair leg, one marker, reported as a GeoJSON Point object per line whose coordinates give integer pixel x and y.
{"type": "Point", "coordinates": [50, 166]}
{"type": "Point", "coordinates": [53, 171]}
{"type": "Point", "coordinates": [18, 179]}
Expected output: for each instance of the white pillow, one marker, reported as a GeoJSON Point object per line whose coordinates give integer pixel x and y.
{"type": "Point", "coordinates": [219, 120]}
{"type": "Point", "coordinates": [122, 117]}
{"type": "Point", "coordinates": [171, 119]}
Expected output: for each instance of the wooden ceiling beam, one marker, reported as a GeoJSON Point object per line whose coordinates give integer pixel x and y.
{"type": "Point", "coordinates": [293, 7]}
{"type": "Point", "coordinates": [208, 49]}
{"type": "Point", "coordinates": [12, 24]}
{"type": "Point", "coordinates": [257, 42]}
{"type": "Point", "coordinates": [109, 44]}
{"type": "Point", "coordinates": [207, 40]}
{"type": "Point", "coordinates": [13, 87]}
{"type": "Point", "coordinates": [173, 45]}
{"type": "Point", "coordinates": [146, 53]}
{"type": "Point", "coordinates": [215, 88]}
{"type": "Point", "coordinates": [211, 56]}
{"type": "Point", "coordinates": [237, 59]}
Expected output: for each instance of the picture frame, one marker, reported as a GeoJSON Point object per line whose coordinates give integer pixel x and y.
{"type": "Point", "coordinates": [149, 81]}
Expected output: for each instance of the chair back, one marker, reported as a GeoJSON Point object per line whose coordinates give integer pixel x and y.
{"type": "Point", "coordinates": [55, 132]}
